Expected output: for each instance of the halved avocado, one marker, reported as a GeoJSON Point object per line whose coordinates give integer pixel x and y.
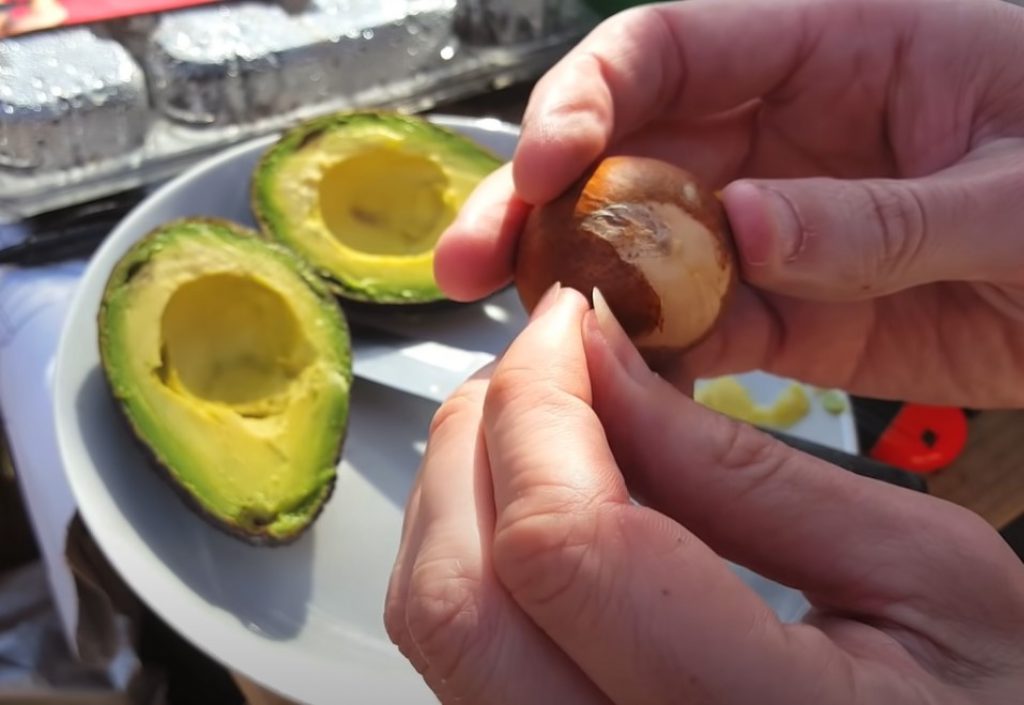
{"type": "Point", "coordinates": [364, 197]}
{"type": "Point", "coordinates": [231, 363]}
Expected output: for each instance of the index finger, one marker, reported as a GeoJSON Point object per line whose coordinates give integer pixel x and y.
{"type": "Point", "coordinates": [645, 609]}
{"type": "Point", "coordinates": [445, 609]}
{"type": "Point", "coordinates": [654, 62]}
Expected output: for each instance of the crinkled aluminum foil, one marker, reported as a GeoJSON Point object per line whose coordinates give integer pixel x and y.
{"type": "Point", "coordinates": [236, 63]}
{"type": "Point", "coordinates": [68, 98]}
{"type": "Point", "coordinates": [74, 118]}
{"type": "Point", "coordinates": [500, 22]}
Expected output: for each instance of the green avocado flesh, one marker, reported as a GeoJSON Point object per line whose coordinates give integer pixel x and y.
{"type": "Point", "coordinates": [364, 197]}
{"type": "Point", "coordinates": [231, 362]}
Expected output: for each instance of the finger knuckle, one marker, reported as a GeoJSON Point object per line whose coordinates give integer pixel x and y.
{"type": "Point", "coordinates": [642, 27]}
{"type": "Point", "coordinates": [516, 388]}
{"type": "Point", "coordinates": [544, 556]}
{"type": "Point", "coordinates": [463, 403]}
{"type": "Point", "coordinates": [650, 33]}
{"type": "Point", "coordinates": [394, 620]}
{"type": "Point", "coordinates": [647, 33]}
{"type": "Point", "coordinates": [443, 615]}
{"type": "Point", "coordinates": [395, 625]}
{"type": "Point", "coordinates": [507, 387]}
{"type": "Point", "coordinates": [510, 384]}
{"type": "Point", "coordinates": [581, 112]}
{"type": "Point", "coordinates": [975, 540]}
{"type": "Point", "coordinates": [898, 219]}
{"type": "Point", "coordinates": [749, 453]}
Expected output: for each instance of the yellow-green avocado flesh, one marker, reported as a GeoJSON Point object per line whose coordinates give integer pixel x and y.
{"type": "Point", "coordinates": [231, 362]}
{"type": "Point", "coordinates": [364, 197]}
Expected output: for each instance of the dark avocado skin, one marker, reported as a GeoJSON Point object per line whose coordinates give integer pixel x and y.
{"type": "Point", "coordinates": [305, 135]}
{"type": "Point", "coordinates": [254, 535]}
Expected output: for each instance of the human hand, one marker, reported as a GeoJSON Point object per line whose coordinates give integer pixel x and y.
{"type": "Point", "coordinates": [526, 574]}
{"type": "Point", "coordinates": [870, 153]}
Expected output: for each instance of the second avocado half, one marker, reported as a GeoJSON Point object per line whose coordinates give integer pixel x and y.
{"type": "Point", "coordinates": [364, 196]}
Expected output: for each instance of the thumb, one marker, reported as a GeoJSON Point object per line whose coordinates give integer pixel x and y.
{"type": "Point", "coordinates": [833, 239]}
{"type": "Point", "coordinates": [850, 543]}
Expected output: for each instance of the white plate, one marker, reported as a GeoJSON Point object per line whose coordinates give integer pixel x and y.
{"type": "Point", "coordinates": [306, 619]}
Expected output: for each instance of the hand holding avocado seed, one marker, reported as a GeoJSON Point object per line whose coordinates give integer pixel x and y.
{"type": "Point", "coordinates": [868, 154]}
{"type": "Point", "coordinates": [526, 575]}
{"type": "Point", "coordinates": [651, 238]}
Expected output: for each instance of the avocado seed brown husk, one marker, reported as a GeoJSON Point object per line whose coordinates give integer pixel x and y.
{"type": "Point", "coordinates": [653, 239]}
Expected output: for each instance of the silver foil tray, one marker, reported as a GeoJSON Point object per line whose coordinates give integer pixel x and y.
{"type": "Point", "coordinates": [89, 111]}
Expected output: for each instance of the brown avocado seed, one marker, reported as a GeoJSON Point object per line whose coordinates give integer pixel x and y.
{"type": "Point", "coordinates": [653, 240]}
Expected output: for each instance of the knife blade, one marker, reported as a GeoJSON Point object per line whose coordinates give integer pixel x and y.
{"type": "Point", "coordinates": [434, 370]}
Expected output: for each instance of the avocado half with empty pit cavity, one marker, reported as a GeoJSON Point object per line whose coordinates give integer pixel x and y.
{"type": "Point", "coordinates": [231, 362]}
{"type": "Point", "coordinates": [364, 197]}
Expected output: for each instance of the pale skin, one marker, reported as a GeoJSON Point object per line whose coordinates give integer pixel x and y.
{"type": "Point", "coordinates": [895, 129]}
{"type": "Point", "coordinates": [42, 14]}
{"type": "Point", "coordinates": [525, 575]}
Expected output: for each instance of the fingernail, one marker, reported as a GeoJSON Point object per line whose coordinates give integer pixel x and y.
{"type": "Point", "coordinates": [764, 223]}
{"type": "Point", "coordinates": [546, 301]}
{"type": "Point", "coordinates": [610, 326]}
{"type": "Point", "coordinates": [615, 335]}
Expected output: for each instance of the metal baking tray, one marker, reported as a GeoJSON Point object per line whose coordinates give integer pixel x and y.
{"type": "Point", "coordinates": [86, 112]}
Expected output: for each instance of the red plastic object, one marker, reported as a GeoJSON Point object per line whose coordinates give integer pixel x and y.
{"type": "Point", "coordinates": [922, 438]}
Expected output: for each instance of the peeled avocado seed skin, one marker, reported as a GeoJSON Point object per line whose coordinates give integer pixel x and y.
{"type": "Point", "coordinates": [653, 239]}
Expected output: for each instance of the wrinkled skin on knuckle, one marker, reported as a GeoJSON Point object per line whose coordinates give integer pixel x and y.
{"type": "Point", "coordinates": [897, 215]}
{"type": "Point", "coordinates": [748, 452]}
{"type": "Point", "coordinates": [542, 555]}
{"type": "Point", "coordinates": [462, 404]}
{"type": "Point", "coordinates": [446, 615]}
{"type": "Point", "coordinates": [507, 387]}
{"type": "Point", "coordinates": [514, 389]}
{"type": "Point", "coordinates": [744, 461]}
{"type": "Point", "coordinates": [395, 625]}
